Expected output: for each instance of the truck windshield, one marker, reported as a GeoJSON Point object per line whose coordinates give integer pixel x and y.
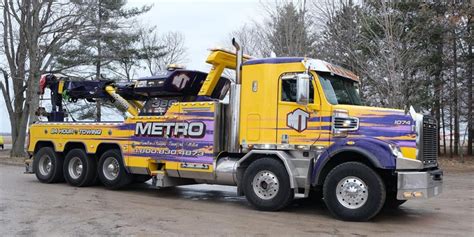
{"type": "Point", "coordinates": [339, 90]}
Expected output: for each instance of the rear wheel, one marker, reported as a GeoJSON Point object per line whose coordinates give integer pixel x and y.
{"type": "Point", "coordinates": [48, 165]}
{"type": "Point", "coordinates": [112, 171]}
{"type": "Point", "coordinates": [266, 185]}
{"type": "Point", "coordinates": [354, 192]}
{"type": "Point", "coordinates": [80, 170]}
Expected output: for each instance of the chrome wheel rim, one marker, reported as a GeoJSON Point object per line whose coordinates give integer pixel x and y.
{"type": "Point", "coordinates": [45, 165]}
{"type": "Point", "coordinates": [265, 185]}
{"type": "Point", "coordinates": [111, 168]}
{"type": "Point", "coordinates": [75, 167]}
{"type": "Point", "coordinates": [352, 192]}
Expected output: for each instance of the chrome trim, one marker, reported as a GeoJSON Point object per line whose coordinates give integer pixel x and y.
{"type": "Point", "coordinates": [403, 163]}
{"type": "Point", "coordinates": [198, 166]}
{"type": "Point", "coordinates": [234, 112]}
{"type": "Point", "coordinates": [283, 147]}
{"type": "Point", "coordinates": [429, 155]}
{"type": "Point", "coordinates": [428, 183]}
{"type": "Point", "coordinates": [234, 102]}
{"type": "Point", "coordinates": [265, 146]}
{"type": "Point", "coordinates": [335, 130]}
{"type": "Point", "coordinates": [225, 170]}
{"type": "Point", "coordinates": [352, 192]}
{"type": "Point", "coordinates": [265, 185]}
{"type": "Point", "coordinates": [418, 118]}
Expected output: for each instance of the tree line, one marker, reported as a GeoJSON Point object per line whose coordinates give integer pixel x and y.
{"type": "Point", "coordinates": [95, 39]}
{"type": "Point", "coordinates": [407, 53]}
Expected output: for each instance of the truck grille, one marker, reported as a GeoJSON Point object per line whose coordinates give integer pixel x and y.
{"type": "Point", "coordinates": [429, 141]}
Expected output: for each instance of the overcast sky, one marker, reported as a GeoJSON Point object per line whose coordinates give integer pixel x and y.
{"type": "Point", "coordinates": [205, 24]}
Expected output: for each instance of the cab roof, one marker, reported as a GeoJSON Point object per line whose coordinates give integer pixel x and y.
{"type": "Point", "coordinates": [314, 64]}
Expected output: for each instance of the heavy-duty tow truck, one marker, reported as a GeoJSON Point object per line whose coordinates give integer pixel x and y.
{"type": "Point", "coordinates": [292, 126]}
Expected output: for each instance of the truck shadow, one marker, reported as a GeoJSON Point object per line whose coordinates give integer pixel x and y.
{"type": "Point", "coordinates": [218, 195]}
{"type": "Point", "coordinates": [226, 195]}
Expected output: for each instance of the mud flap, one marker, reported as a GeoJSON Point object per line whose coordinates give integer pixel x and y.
{"type": "Point", "coordinates": [29, 166]}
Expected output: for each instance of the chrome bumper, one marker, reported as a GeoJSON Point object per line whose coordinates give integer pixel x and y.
{"type": "Point", "coordinates": [415, 184]}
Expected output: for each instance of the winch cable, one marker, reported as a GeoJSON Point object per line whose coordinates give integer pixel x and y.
{"type": "Point", "coordinates": [67, 110]}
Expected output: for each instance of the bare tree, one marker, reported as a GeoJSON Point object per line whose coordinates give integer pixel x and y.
{"type": "Point", "coordinates": [32, 33]}
{"type": "Point", "coordinates": [253, 40]}
{"type": "Point", "coordinates": [470, 88]}
{"type": "Point", "coordinates": [159, 51]}
{"type": "Point", "coordinates": [148, 40]}
{"type": "Point", "coordinates": [176, 52]}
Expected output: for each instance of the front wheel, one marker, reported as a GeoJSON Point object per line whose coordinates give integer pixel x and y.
{"type": "Point", "coordinates": [266, 185]}
{"type": "Point", "coordinates": [354, 192]}
{"type": "Point", "coordinates": [112, 171]}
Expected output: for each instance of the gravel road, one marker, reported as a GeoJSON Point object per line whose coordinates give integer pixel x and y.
{"type": "Point", "coordinates": [28, 207]}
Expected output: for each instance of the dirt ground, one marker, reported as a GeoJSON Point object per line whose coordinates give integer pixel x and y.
{"type": "Point", "coordinates": [28, 207]}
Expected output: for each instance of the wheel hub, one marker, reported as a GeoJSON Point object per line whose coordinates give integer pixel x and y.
{"type": "Point", "coordinates": [265, 185]}
{"type": "Point", "coordinates": [48, 166]}
{"type": "Point", "coordinates": [45, 165]}
{"type": "Point", "coordinates": [111, 168]}
{"type": "Point", "coordinates": [352, 192]}
{"type": "Point", "coordinates": [75, 167]}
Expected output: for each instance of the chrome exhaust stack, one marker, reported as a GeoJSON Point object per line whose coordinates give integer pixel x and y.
{"type": "Point", "coordinates": [234, 102]}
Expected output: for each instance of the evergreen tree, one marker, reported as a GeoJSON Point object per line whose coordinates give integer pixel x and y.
{"type": "Point", "coordinates": [288, 31]}
{"type": "Point", "coordinates": [109, 38]}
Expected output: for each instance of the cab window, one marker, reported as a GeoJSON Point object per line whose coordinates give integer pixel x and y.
{"type": "Point", "coordinates": [288, 91]}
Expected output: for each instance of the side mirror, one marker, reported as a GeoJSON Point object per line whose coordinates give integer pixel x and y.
{"type": "Point", "coordinates": [302, 88]}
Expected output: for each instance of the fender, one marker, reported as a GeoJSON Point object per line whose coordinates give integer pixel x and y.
{"type": "Point", "coordinates": [36, 144]}
{"type": "Point", "coordinates": [376, 151]}
{"type": "Point", "coordinates": [281, 155]}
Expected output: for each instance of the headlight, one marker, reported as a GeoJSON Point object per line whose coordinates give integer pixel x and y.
{"type": "Point", "coordinates": [395, 150]}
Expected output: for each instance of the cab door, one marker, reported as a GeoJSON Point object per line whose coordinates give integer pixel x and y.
{"type": "Point", "coordinates": [297, 124]}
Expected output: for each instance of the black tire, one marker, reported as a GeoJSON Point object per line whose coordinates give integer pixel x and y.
{"type": "Point", "coordinates": [356, 177]}
{"type": "Point", "coordinates": [141, 178]}
{"type": "Point", "coordinates": [79, 177]}
{"type": "Point", "coordinates": [391, 201]}
{"type": "Point", "coordinates": [54, 173]}
{"type": "Point", "coordinates": [269, 169]}
{"type": "Point", "coordinates": [120, 176]}
{"type": "Point", "coordinates": [315, 195]}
